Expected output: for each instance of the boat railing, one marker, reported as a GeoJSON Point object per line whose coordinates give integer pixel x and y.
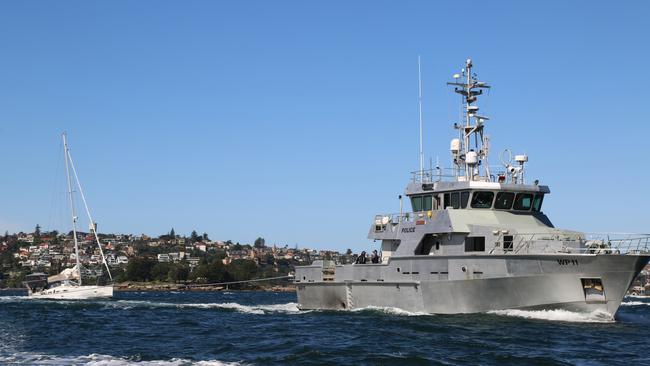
{"type": "Point", "coordinates": [572, 243]}
{"type": "Point", "coordinates": [452, 174]}
{"type": "Point", "coordinates": [382, 222]}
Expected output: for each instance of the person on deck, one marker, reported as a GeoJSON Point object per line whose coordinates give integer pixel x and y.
{"type": "Point", "coordinates": [361, 259]}
{"type": "Point", "coordinates": [375, 257]}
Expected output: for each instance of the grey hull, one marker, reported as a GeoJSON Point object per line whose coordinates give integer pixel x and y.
{"type": "Point", "coordinates": [531, 282]}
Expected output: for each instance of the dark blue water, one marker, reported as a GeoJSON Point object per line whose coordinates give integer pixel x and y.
{"type": "Point", "coordinates": [267, 329]}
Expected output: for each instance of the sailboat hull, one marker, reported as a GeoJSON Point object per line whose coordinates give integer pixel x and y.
{"type": "Point", "coordinates": [71, 292]}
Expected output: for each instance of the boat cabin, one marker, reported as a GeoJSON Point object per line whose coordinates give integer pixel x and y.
{"type": "Point", "coordinates": [455, 218]}
{"type": "Point", "coordinates": [35, 281]}
{"type": "Point", "coordinates": [477, 196]}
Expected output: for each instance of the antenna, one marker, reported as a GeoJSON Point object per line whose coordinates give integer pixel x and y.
{"type": "Point", "coordinates": [420, 109]}
{"type": "Point", "coordinates": [464, 151]}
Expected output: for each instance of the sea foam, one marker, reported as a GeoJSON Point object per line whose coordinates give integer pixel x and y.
{"type": "Point", "coordinates": [635, 303]}
{"type": "Point", "coordinates": [391, 311]}
{"type": "Point", "coordinates": [597, 316]}
{"type": "Point", "coordinates": [102, 360]}
{"type": "Point", "coordinates": [291, 307]}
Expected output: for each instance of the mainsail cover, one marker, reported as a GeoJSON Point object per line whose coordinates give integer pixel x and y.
{"type": "Point", "coordinates": [66, 274]}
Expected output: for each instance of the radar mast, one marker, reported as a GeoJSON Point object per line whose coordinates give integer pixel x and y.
{"type": "Point", "coordinates": [471, 149]}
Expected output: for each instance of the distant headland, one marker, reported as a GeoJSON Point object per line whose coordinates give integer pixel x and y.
{"type": "Point", "coordinates": [169, 262]}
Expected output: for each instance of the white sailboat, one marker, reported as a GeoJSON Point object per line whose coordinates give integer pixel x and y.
{"type": "Point", "coordinates": [68, 284]}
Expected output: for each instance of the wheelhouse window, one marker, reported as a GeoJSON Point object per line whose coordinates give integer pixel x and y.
{"type": "Point", "coordinates": [464, 198]}
{"type": "Point", "coordinates": [475, 244]}
{"type": "Point", "coordinates": [504, 200]}
{"type": "Point", "coordinates": [453, 200]}
{"type": "Point", "coordinates": [421, 203]}
{"type": "Point", "coordinates": [416, 203]}
{"type": "Point", "coordinates": [537, 202]}
{"type": "Point", "coordinates": [426, 201]}
{"type": "Point", "coordinates": [523, 201]}
{"type": "Point", "coordinates": [482, 199]}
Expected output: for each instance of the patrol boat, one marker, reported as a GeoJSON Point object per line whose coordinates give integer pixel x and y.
{"type": "Point", "coordinates": [478, 240]}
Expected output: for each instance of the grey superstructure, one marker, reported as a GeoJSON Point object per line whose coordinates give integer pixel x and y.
{"type": "Point", "coordinates": [477, 240]}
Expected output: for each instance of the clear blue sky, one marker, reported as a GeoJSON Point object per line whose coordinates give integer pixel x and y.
{"type": "Point", "coordinates": [297, 120]}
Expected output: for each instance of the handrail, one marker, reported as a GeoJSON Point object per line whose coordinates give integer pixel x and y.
{"type": "Point", "coordinates": [448, 174]}
{"type": "Point", "coordinates": [236, 282]}
{"type": "Point", "coordinates": [574, 243]}
{"type": "Point", "coordinates": [396, 218]}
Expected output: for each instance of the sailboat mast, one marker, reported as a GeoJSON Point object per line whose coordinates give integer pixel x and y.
{"type": "Point", "coordinates": [72, 207]}
{"type": "Point", "coordinates": [90, 218]}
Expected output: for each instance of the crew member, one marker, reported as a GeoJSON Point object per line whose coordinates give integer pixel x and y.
{"type": "Point", "coordinates": [361, 259]}
{"type": "Point", "coordinates": [375, 257]}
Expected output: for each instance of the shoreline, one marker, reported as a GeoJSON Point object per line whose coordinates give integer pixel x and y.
{"type": "Point", "coordinates": [164, 287]}
{"type": "Point", "coordinates": [168, 287]}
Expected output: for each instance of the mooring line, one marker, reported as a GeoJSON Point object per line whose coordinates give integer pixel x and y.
{"type": "Point", "coordinates": [235, 282]}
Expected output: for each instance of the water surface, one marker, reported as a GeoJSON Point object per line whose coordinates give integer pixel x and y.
{"type": "Point", "coordinates": [255, 328]}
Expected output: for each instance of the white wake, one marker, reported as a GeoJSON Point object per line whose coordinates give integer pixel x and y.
{"type": "Point", "coordinates": [13, 298]}
{"type": "Point", "coordinates": [597, 316]}
{"type": "Point", "coordinates": [291, 307]}
{"type": "Point", "coordinates": [390, 311]}
{"type": "Point", "coordinates": [102, 360]}
{"type": "Point", "coordinates": [635, 303]}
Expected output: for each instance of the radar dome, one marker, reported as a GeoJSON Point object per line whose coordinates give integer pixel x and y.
{"type": "Point", "coordinates": [454, 146]}
{"type": "Point", "coordinates": [471, 158]}
{"type": "Point", "coordinates": [521, 158]}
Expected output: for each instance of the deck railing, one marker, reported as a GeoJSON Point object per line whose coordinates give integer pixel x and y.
{"type": "Point", "coordinates": [383, 222]}
{"type": "Point", "coordinates": [450, 174]}
{"type": "Point", "coordinates": [576, 243]}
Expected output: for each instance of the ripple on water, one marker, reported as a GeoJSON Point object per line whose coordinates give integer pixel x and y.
{"type": "Point", "coordinates": [269, 329]}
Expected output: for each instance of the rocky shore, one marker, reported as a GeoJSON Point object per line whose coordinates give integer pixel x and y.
{"type": "Point", "coordinates": [155, 287]}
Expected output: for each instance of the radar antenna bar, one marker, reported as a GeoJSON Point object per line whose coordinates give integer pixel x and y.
{"type": "Point", "coordinates": [474, 146]}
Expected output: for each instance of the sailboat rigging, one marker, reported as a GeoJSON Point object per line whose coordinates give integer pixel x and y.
{"type": "Point", "coordinates": [69, 284]}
